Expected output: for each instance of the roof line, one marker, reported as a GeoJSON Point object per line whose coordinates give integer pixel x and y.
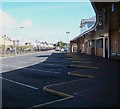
{"type": "Point", "coordinates": [92, 28]}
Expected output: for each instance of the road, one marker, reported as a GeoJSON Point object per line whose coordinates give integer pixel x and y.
{"type": "Point", "coordinates": [24, 78]}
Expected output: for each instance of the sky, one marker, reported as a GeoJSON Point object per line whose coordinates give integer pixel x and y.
{"type": "Point", "coordinates": [43, 21]}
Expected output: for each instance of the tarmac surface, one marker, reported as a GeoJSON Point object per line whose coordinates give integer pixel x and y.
{"type": "Point", "coordinates": [54, 79]}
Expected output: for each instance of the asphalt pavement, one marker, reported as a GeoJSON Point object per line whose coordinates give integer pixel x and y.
{"type": "Point", "coordinates": [88, 81]}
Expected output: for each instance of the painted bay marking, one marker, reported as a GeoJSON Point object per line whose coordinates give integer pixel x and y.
{"type": "Point", "coordinates": [94, 87]}
{"type": "Point", "coordinates": [55, 100]}
{"type": "Point", "coordinates": [87, 62]}
{"type": "Point", "coordinates": [49, 102]}
{"type": "Point", "coordinates": [53, 64]}
{"type": "Point", "coordinates": [96, 99]}
{"type": "Point", "coordinates": [22, 84]}
{"type": "Point", "coordinates": [81, 70]}
{"type": "Point", "coordinates": [77, 74]}
{"type": "Point", "coordinates": [84, 66]}
{"type": "Point", "coordinates": [77, 59]}
{"type": "Point", "coordinates": [32, 69]}
{"type": "Point", "coordinates": [64, 83]}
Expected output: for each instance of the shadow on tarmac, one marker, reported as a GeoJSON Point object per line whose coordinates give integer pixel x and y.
{"type": "Point", "coordinates": [55, 70]}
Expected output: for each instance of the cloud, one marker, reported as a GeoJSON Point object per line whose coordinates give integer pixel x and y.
{"type": "Point", "coordinates": [7, 20]}
{"type": "Point", "coordinates": [9, 25]}
{"type": "Point", "coordinates": [27, 23]}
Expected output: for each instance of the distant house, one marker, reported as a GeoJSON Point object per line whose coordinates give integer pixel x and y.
{"type": "Point", "coordinates": [41, 46]}
{"type": "Point", "coordinates": [9, 43]}
{"type": "Point", "coordinates": [86, 24]}
{"type": "Point", "coordinates": [6, 41]}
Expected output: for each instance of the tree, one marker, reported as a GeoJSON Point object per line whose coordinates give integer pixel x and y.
{"type": "Point", "coordinates": [2, 47]}
{"type": "Point", "coordinates": [11, 46]}
{"type": "Point", "coordinates": [61, 44]}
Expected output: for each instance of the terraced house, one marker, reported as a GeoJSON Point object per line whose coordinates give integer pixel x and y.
{"type": "Point", "coordinates": [103, 38]}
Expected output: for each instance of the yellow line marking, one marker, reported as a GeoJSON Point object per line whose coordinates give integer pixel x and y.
{"type": "Point", "coordinates": [76, 74]}
{"type": "Point", "coordinates": [83, 66]}
{"type": "Point", "coordinates": [56, 92]}
{"type": "Point", "coordinates": [46, 88]}
{"type": "Point", "coordinates": [81, 70]}
{"type": "Point", "coordinates": [40, 105]}
{"type": "Point", "coordinates": [67, 96]}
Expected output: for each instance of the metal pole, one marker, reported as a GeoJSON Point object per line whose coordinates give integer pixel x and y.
{"type": "Point", "coordinates": [16, 40]}
{"type": "Point", "coordinates": [68, 41]}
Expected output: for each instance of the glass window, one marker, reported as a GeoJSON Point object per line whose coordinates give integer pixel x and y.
{"type": "Point", "coordinates": [90, 24]}
{"type": "Point", "coordinates": [91, 43]}
{"type": "Point", "coordinates": [113, 7]}
{"type": "Point", "coordinates": [99, 43]}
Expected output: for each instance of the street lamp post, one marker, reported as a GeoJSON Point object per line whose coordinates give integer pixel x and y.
{"type": "Point", "coordinates": [14, 41]}
{"type": "Point", "coordinates": [68, 40]}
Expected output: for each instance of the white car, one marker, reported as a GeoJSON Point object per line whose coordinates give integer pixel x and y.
{"type": "Point", "coordinates": [62, 49]}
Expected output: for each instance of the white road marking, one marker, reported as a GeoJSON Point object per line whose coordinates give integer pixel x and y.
{"type": "Point", "coordinates": [64, 82]}
{"type": "Point", "coordinates": [49, 102]}
{"type": "Point", "coordinates": [41, 63]}
{"type": "Point", "coordinates": [32, 69]}
{"type": "Point", "coordinates": [58, 99]}
{"type": "Point", "coordinates": [42, 70]}
{"type": "Point", "coordinates": [96, 99]}
{"type": "Point", "coordinates": [82, 70]}
{"type": "Point", "coordinates": [19, 83]}
{"type": "Point", "coordinates": [91, 88]}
